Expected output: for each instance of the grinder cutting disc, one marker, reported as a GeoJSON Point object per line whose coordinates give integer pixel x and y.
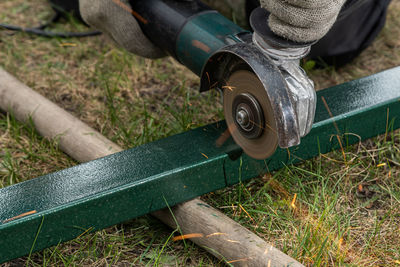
{"type": "Point", "coordinates": [249, 116]}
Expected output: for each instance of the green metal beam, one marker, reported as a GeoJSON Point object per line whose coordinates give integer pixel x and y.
{"type": "Point", "coordinates": [137, 181]}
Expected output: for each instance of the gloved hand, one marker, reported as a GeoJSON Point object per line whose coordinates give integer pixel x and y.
{"type": "Point", "coordinates": [302, 20]}
{"type": "Point", "coordinates": [113, 17]}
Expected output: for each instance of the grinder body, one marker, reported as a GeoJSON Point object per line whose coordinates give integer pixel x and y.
{"type": "Point", "coordinates": [189, 31]}
{"type": "Point", "coordinates": [261, 90]}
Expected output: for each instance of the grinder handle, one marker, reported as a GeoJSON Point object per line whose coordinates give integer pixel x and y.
{"type": "Point", "coordinates": [189, 31]}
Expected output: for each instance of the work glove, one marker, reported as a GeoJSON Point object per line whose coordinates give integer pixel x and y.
{"type": "Point", "coordinates": [302, 20]}
{"type": "Point", "coordinates": [114, 18]}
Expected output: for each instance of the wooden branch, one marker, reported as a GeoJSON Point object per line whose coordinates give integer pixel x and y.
{"type": "Point", "coordinates": [217, 233]}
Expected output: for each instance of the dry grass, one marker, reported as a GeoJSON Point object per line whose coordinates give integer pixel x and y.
{"type": "Point", "coordinates": [134, 101]}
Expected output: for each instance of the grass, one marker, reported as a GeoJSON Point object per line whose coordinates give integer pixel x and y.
{"type": "Point", "coordinates": [324, 212]}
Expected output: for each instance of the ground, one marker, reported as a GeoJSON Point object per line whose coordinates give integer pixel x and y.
{"type": "Point", "coordinates": [346, 211]}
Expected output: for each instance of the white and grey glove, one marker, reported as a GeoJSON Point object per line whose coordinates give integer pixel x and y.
{"type": "Point", "coordinates": [302, 20]}
{"type": "Point", "coordinates": [114, 19]}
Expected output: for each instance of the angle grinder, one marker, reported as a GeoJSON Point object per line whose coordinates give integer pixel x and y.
{"type": "Point", "coordinates": [268, 98]}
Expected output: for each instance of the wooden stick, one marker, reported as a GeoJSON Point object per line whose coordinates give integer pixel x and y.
{"type": "Point", "coordinates": [214, 231]}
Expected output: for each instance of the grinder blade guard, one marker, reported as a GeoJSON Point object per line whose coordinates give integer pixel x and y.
{"type": "Point", "coordinates": [264, 93]}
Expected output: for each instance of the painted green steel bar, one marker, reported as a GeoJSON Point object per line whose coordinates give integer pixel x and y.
{"type": "Point", "coordinates": [137, 181]}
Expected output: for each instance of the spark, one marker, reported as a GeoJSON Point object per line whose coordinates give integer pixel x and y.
{"type": "Point", "coordinates": [244, 259]}
{"type": "Point", "coordinates": [208, 77]}
{"type": "Point", "coordinates": [20, 216]}
{"type": "Point", "coordinates": [360, 188]}
{"type": "Point", "coordinates": [340, 243]}
{"type": "Point", "coordinates": [246, 212]}
{"type": "Point", "coordinates": [288, 151]}
{"type": "Point", "coordinates": [228, 87]}
{"type": "Point", "coordinates": [205, 155]}
{"type": "Point", "coordinates": [214, 234]}
{"type": "Point", "coordinates": [267, 250]}
{"type": "Point", "coordinates": [213, 85]}
{"type": "Point", "coordinates": [269, 263]}
{"type": "Point", "coordinates": [381, 165]}
{"type": "Point", "coordinates": [130, 10]}
{"type": "Point", "coordinates": [232, 241]}
{"type": "Point", "coordinates": [293, 201]}
{"type": "Point", "coordinates": [187, 236]}
{"type": "Point", "coordinates": [261, 127]}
